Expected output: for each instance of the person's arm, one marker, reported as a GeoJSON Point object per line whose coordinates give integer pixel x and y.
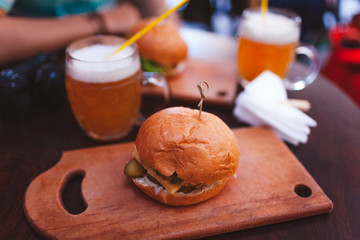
{"type": "Point", "coordinates": [2, 13]}
{"type": "Point", "coordinates": [154, 8]}
{"type": "Point", "coordinates": [23, 37]}
{"type": "Point", "coordinates": [150, 8]}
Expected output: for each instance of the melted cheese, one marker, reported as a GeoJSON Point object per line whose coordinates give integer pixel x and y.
{"type": "Point", "coordinates": [170, 187]}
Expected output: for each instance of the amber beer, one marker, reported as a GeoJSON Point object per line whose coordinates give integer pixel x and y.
{"type": "Point", "coordinates": [267, 43]}
{"type": "Point", "coordinates": [104, 94]}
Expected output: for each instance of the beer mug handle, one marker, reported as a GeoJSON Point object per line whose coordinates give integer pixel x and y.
{"type": "Point", "coordinates": [158, 80]}
{"type": "Point", "coordinates": [310, 72]}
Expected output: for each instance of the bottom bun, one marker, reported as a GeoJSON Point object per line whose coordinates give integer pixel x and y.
{"type": "Point", "coordinates": [179, 69]}
{"type": "Point", "coordinates": [178, 199]}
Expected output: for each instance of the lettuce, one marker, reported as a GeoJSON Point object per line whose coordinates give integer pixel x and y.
{"type": "Point", "coordinates": [150, 66]}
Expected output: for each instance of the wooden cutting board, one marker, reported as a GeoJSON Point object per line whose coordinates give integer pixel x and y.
{"type": "Point", "coordinates": [221, 74]}
{"type": "Point", "coordinates": [261, 193]}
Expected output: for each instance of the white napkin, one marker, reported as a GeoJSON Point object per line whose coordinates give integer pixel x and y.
{"type": "Point", "coordinates": [262, 103]}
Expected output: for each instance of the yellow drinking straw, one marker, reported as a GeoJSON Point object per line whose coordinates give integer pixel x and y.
{"type": "Point", "coordinates": [264, 8]}
{"type": "Point", "coordinates": [148, 28]}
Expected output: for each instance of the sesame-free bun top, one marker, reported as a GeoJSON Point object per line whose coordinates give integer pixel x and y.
{"type": "Point", "coordinates": [162, 44]}
{"type": "Point", "coordinates": [174, 140]}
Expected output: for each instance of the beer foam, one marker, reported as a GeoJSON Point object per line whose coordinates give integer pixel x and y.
{"type": "Point", "coordinates": [273, 29]}
{"type": "Point", "coordinates": [91, 64]}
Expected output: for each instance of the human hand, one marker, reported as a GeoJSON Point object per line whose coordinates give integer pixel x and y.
{"type": "Point", "coordinates": [2, 13]}
{"type": "Point", "coordinates": [121, 18]}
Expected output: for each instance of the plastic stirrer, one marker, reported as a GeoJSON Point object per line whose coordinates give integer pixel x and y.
{"type": "Point", "coordinates": [264, 7]}
{"type": "Point", "coordinates": [148, 27]}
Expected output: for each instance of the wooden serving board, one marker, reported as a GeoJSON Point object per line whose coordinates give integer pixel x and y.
{"type": "Point", "coordinates": [220, 74]}
{"type": "Point", "coordinates": [261, 193]}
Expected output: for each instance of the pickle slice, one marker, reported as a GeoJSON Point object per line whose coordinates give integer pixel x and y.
{"type": "Point", "coordinates": [186, 189]}
{"type": "Point", "coordinates": [133, 169]}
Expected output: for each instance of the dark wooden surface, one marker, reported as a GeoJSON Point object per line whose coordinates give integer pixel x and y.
{"type": "Point", "coordinates": [332, 156]}
{"type": "Point", "coordinates": [257, 196]}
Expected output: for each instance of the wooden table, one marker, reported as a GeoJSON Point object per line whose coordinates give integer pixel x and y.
{"type": "Point", "coordinates": [332, 156]}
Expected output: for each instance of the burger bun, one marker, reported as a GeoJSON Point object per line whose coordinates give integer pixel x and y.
{"type": "Point", "coordinates": [178, 199]}
{"type": "Point", "coordinates": [162, 44]}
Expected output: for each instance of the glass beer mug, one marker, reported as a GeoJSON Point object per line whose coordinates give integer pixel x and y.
{"type": "Point", "coordinates": [105, 92]}
{"type": "Point", "coordinates": [271, 42]}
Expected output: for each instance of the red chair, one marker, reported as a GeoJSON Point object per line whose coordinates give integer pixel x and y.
{"type": "Point", "coordinates": [343, 66]}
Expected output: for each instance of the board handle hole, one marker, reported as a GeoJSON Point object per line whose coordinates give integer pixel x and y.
{"type": "Point", "coordinates": [71, 194]}
{"type": "Point", "coordinates": [222, 93]}
{"type": "Point", "coordinates": [302, 190]}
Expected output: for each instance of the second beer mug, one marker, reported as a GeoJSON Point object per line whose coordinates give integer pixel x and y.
{"type": "Point", "coordinates": [105, 93]}
{"type": "Point", "coordinates": [271, 42]}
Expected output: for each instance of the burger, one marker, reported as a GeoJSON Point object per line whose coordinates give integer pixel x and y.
{"type": "Point", "coordinates": [181, 160]}
{"type": "Point", "coordinates": [161, 49]}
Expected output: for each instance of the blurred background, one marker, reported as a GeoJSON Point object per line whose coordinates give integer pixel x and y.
{"type": "Point", "coordinates": [332, 26]}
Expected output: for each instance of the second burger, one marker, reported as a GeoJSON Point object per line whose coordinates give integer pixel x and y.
{"type": "Point", "coordinates": [161, 49]}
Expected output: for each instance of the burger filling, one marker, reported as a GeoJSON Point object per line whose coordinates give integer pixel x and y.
{"type": "Point", "coordinates": [151, 66]}
{"type": "Point", "coordinates": [137, 168]}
